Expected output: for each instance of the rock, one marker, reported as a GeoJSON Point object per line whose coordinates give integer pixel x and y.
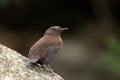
{"type": "Point", "coordinates": [13, 67]}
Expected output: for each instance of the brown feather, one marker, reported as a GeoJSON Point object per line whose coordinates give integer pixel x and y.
{"type": "Point", "coordinates": [47, 47]}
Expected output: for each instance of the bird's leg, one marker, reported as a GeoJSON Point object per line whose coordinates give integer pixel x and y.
{"type": "Point", "coordinates": [47, 67]}
{"type": "Point", "coordinates": [42, 66]}
{"type": "Point", "coordinates": [51, 70]}
{"type": "Point", "coordinates": [39, 65]}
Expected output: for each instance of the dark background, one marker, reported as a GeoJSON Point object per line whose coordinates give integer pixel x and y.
{"type": "Point", "coordinates": [91, 45]}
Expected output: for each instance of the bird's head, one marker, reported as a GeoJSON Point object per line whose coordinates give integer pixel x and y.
{"type": "Point", "coordinates": [55, 31]}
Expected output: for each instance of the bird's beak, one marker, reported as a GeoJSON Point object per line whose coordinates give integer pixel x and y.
{"type": "Point", "coordinates": [64, 29]}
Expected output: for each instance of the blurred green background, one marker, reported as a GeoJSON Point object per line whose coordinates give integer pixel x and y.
{"type": "Point", "coordinates": [91, 45]}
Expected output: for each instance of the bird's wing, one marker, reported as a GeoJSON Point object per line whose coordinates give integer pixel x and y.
{"type": "Point", "coordinates": [43, 48]}
{"type": "Point", "coordinates": [37, 51]}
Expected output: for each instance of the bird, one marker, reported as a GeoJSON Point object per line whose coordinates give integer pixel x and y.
{"type": "Point", "coordinates": [47, 47]}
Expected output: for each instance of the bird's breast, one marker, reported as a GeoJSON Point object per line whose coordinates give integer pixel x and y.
{"type": "Point", "coordinates": [53, 49]}
{"type": "Point", "coordinates": [55, 45]}
{"type": "Point", "coordinates": [51, 53]}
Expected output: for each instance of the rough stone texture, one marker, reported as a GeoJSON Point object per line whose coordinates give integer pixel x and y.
{"type": "Point", "coordinates": [13, 67]}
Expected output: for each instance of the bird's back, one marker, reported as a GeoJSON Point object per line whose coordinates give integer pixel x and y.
{"type": "Point", "coordinates": [45, 49]}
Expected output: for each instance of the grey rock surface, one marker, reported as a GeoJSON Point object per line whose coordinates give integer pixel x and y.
{"type": "Point", "coordinates": [13, 67]}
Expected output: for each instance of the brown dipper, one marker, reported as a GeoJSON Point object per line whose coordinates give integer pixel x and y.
{"type": "Point", "coordinates": [47, 47]}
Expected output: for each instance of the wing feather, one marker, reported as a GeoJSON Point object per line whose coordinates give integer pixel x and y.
{"type": "Point", "coordinates": [45, 47]}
